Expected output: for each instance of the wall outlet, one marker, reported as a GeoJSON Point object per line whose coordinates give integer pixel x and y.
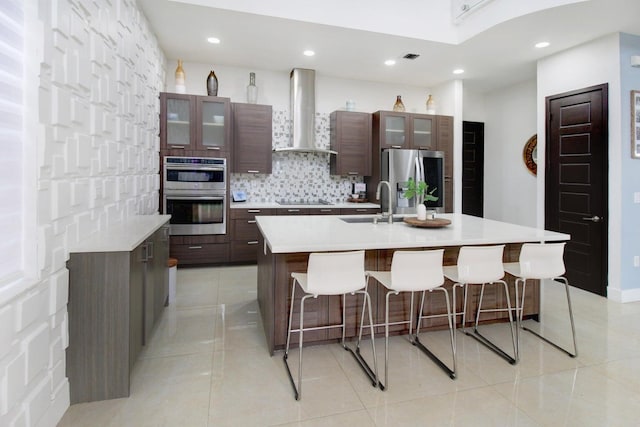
{"type": "Point", "coordinates": [636, 261]}
{"type": "Point", "coordinates": [636, 197]}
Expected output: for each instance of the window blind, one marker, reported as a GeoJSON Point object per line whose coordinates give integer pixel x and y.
{"type": "Point", "coordinates": [11, 140]}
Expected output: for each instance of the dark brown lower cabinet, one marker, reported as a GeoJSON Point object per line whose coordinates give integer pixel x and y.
{"type": "Point", "coordinates": [115, 299]}
{"type": "Point", "coordinates": [200, 250]}
{"type": "Point", "coordinates": [245, 234]}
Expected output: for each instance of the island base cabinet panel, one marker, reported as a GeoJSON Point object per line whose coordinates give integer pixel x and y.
{"type": "Point", "coordinates": [274, 294]}
{"type": "Point", "coordinates": [316, 309]}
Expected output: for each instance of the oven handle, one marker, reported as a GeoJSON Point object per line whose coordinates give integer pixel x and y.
{"type": "Point", "coordinates": [194, 197]}
{"type": "Point", "coordinates": [198, 168]}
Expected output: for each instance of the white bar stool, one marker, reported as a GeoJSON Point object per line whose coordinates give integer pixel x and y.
{"type": "Point", "coordinates": [541, 261]}
{"type": "Point", "coordinates": [481, 265]}
{"type": "Point", "coordinates": [335, 273]}
{"type": "Point", "coordinates": [413, 271]}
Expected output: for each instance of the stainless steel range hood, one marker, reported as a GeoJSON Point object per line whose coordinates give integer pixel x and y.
{"type": "Point", "coordinates": [303, 112]}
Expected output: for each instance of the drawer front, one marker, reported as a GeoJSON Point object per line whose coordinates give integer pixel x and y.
{"type": "Point", "coordinates": [359, 211]}
{"type": "Point", "coordinates": [200, 253]}
{"type": "Point", "coordinates": [249, 213]}
{"type": "Point", "coordinates": [324, 211]}
{"type": "Point", "coordinates": [244, 229]}
{"type": "Point", "coordinates": [245, 251]}
{"type": "Point", "coordinates": [292, 211]}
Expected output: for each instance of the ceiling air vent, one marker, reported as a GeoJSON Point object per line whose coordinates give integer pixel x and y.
{"type": "Point", "coordinates": [411, 56]}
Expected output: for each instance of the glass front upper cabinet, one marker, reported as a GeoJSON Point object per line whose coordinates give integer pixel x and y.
{"type": "Point", "coordinates": [178, 122]}
{"type": "Point", "coordinates": [214, 116]}
{"type": "Point", "coordinates": [395, 130]}
{"type": "Point", "coordinates": [422, 132]}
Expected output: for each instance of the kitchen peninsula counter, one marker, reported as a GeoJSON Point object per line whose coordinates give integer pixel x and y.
{"type": "Point", "coordinates": [287, 241]}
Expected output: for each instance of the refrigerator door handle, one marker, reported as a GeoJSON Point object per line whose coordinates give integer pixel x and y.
{"type": "Point", "coordinates": [419, 168]}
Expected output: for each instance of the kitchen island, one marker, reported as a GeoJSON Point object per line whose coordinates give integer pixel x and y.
{"type": "Point", "coordinates": [286, 242]}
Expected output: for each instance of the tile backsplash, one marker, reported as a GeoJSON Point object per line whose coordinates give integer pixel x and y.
{"type": "Point", "coordinates": [296, 176]}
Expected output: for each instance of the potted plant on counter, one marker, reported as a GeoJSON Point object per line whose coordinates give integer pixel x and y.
{"type": "Point", "coordinates": [420, 190]}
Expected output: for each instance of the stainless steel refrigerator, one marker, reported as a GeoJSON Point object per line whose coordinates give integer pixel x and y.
{"type": "Point", "coordinates": [398, 165]}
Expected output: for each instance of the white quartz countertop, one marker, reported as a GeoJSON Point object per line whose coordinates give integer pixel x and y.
{"type": "Point", "coordinates": [274, 205]}
{"type": "Point", "coordinates": [122, 237]}
{"type": "Point", "coordinates": [318, 233]}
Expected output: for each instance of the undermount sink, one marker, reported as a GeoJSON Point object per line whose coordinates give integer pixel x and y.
{"type": "Point", "coordinates": [368, 219]}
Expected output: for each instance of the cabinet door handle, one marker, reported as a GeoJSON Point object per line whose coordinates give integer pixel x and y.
{"type": "Point", "coordinates": [361, 210]}
{"type": "Point", "coordinates": [195, 247]}
{"type": "Point", "coordinates": [150, 254]}
{"type": "Point", "coordinates": [352, 173]}
{"type": "Point", "coordinates": [253, 211]}
{"type": "Point", "coordinates": [253, 171]}
{"type": "Point", "coordinates": [179, 147]}
{"type": "Point", "coordinates": [144, 254]}
{"type": "Point", "coordinates": [213, 148]}
{"type": "Point", "coordinates": [251, 221]}
{"type": "Point", "coordinates": [293, 210]}
{"type": "Point", "coordinates": [326, 210]}
{"type": "Point", "coordinates": [396, 146]}
{"type": "Point", "coordinates": [253, 242]}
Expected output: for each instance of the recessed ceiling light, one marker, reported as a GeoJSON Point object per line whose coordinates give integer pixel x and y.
{"type": "Point", "coordinates": [390, 62]}
{"type": "Point", "coordinates": [458, 71]}
{"type": "Point", "coordinates": [308, 53]}
{"type": "Point", "coordinates": [213, 40]}
{"type": "Point", "coordinates": [542, 44]}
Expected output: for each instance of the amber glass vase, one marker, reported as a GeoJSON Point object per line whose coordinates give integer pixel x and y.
{"type": "Point", "coordinates": [398, 106]}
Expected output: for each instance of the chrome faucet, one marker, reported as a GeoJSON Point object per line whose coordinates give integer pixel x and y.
{"type": "Point", "coordinates": [390, 207]}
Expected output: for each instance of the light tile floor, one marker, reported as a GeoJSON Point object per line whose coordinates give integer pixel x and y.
{"type": "Point", "coordinates": [207, 365]}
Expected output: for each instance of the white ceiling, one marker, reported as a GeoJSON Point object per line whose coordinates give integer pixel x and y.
{"type": "Point", "coordinates": [352, 38]}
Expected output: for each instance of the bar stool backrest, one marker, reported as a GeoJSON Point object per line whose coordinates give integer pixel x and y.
{"type": "Point", "coordinates": [416, 270]}
{"type": "Point", "coordinates": [542, 260]}
{"type": "Point", "coordinates": [480, 264]}
{"type": "Point", "coordinates": [335, 273]}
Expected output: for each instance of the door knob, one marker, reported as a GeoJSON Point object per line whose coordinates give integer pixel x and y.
{"type": "Point", "coordinates": [594, 218]}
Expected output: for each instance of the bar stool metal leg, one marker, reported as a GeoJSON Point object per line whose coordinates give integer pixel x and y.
{"type": "Point", "coordinates": [423, 348]}
{"type": "Point", "coordinates": [371, 373]}
{"type": "Point", "coordinates": [573, 327]}
{"type": "Point", "coordinates": [486, 342]}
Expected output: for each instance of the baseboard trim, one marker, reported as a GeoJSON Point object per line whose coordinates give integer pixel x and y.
{"type": "Point", "coordinates": [619, 295]}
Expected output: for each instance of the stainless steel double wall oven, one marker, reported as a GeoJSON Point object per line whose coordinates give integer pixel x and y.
{"type": "Point", "coordinates": [195, 194]}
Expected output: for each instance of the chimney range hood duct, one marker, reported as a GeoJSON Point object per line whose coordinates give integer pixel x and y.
{"type": "Point", "coordinates": [303, 112]}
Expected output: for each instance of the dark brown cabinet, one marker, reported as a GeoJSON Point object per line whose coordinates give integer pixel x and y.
{"type": "Point", "coordinates": [413, 131]}
{"type": "Point", "coordinates": [351, 138]}
{"type": "Point", "coordinates": [444, 137]}
{"type": "Point", "coordinates": [252, 125]}
{"type": "Point", "coordinates": [404, 130]}
{"type": "Point", "coordinates": [324, 211]}
{"type": "Point", "coordinates": [359, 211]}
{"type": "Point", "coordinates": [245, 234]}
{"type": "Point", "coordinates": [114, 303]}
{"type": "Point", "coordinates": [158, 276]}
{"type": "Point", "coordinates": [200, 249]}
{"type": "Point", "coordinates": [194, 125]}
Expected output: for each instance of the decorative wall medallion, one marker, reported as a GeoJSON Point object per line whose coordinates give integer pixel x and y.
{"type": "Point", "coordinates": [530, 154]}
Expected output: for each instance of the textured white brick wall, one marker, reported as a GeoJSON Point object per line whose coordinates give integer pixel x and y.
{"type": "Point", "coordinates": [100, 74]}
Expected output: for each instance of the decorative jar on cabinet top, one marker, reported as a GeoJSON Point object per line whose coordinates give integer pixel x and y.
{"type": "Point", "coordinates": [179, 82]}
{"type": "Point", "coordinates": [212, 84]}
{"type": "Point", "coordinates": [398, 106]}
{"type": "Point", "coordinates": [252, 89]}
